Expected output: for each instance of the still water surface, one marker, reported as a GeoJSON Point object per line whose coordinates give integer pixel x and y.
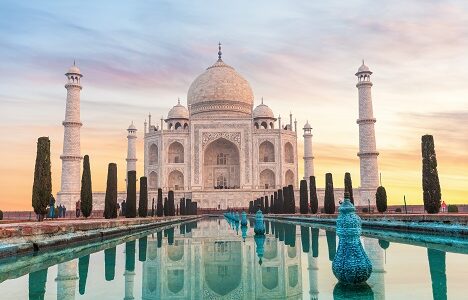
{"type": "Point", "coordinates": [213, 259]}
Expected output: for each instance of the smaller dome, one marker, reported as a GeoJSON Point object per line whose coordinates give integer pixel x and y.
{"type": "Point", "coordinates": [178, 112]}
{"type": "Point", "coordinates": [307, 125]}
{"type": "Point", "coordinates": [74, 69]}
{"type": "Point", "coordinates": [363, 68]}
{"type": "Point", "coordinates": [131, 127]}
{"type": "Point", "coordinates": [263, 111]}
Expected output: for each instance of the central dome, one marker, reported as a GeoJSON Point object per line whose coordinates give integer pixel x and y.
{"type": "Point", "coordinates": [220, 90]}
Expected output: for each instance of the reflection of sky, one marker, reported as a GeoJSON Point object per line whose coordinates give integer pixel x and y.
{"type": "Point", "coordinates": [140, 57]}
{"type": "Point", "coordinates": [407, 270]}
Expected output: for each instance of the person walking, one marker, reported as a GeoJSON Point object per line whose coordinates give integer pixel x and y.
{"type": "Point", "coordinates": [78, 208]}
{"type": "Point", "coordinates": [51, 206]}
{"type": "Point", "coordinates": [124, 208]}
{"type": "Point", "coordinates": [444, 206]}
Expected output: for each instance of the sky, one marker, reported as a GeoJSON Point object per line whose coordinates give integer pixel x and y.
{"type": "Point", "coordinates": [300, 56]}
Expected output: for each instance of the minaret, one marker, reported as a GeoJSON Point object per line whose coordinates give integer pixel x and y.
{"type": "Point", "coordinates": [367, 149]}
{"type": "Point", "coordinates": [313, 276]}
{"type": "Point", "coordinates": [308, 154]}
{"type": "Point", "coordinates": [66, 280]}
{"type": "Point", "coordinates": [129, 284]}
{"type": "Point", "coordinates": [131, 148]}
{"type": "Point", "coordinates": [71, 157]}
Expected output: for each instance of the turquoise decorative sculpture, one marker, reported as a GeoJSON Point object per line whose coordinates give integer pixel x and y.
{"type": "Point", "coordinates": [244, 232]}
{"type": "Point", "coordinates": [259, 227]}
{"type": "Point", "coordinates": [260, 246]}
{"type": "Point", "coordinates": [244, 219]}
{"type": "Point", "coordinates": [351, 264]}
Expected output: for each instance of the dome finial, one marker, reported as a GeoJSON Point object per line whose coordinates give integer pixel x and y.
{"type": "Point", "coordinates": [262, 100]}
{"type": "Point", "coordinates": [219, 51]}
{"type": "Point", "coordinates": [74, 62]}
{"type": "Point", "coordinates": [178, 100]}
{"type": "Point", "coordinates": [363, 61]}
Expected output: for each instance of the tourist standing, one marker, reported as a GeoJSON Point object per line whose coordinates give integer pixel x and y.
{"type": "Point", "coordinates": [78, 208]}
{"type": "Point", "coordinates": [51, 206]}
{"type": "Point", "coordinates": [124, 208]}
{"type": "Point", "coordinates": [444, 206]}
{"type": "Point", "coordinates": [60, 211]}
{"type": "Point", "coordinates": [64, 211]}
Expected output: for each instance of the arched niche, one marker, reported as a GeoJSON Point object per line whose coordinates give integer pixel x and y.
{"type": "Point", "coordinates": [266, 152]}
{"type": "Point", "coordinates": [153, 181]}
{"type": "Point", "coordinates": [267, 179]}
{"type": "Point", "coordinates": [288, 153]}
{"type": "Point", "coordinates": [175, 180]}
{"type": "Point", "coordinates": [270, 277]}
{"type": "Point", "coordinates": [289, 178]}
{"type": "Point", "coordinates": [221, 162]}
{"type": "Point", "coordinates": [176, 153]}
{"type": "Point", "coordinates": [175, 280]}
{"type": "Point", "coordinates": [153, 154]}
{"type": "Point", "coordinates": [175, 252]}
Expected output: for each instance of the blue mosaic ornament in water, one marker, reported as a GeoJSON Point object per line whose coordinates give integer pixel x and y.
{"type": "Point", "coordinates": [351, 264]}
{"type": "Point", "coordinates": [244, 219]}
{"type": "Point", "coordinates": [260, 247]}
{"type": "Point", "coordinates": [244, 232]}
{"type": "Point", "coordinates": [259, 227]}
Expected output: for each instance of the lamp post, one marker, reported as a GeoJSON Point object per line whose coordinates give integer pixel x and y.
{"type": "Point", "coordinates": [404, 200]}
{"type": "Point", "coordinates": [368, 200]}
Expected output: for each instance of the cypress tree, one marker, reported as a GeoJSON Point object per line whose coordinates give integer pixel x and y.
{"type": "Point", "coordinates": [152, 207]}
{"type": "Point", "coordinates": [280, 202]}
{"type": "Point", "coordinates": [348, 184]}
{"type": "Point", "coordinates": [159, 204]}
{"type": "Point", "coordinates": [131, 195]}
{"type": "Point", "coordinates": [303, 198]}
{"type": "Point", "coordinates": [272, 205]}
{"type": "Point", "coordinates": [86, 189]}
{"type": "Point", "coordinates": [110, 203]}
{"type": "Point", "coordinates": [182, 206]}
{"type": "Point", "coordinates": [165, 207]}
{"type": "Point", "coordinates": [109, 263]}
{"type": "Point", "coordinates": [292, 200]}
{"type": "Point", "coordinates": [83, 266]}
{"type": "Point", "coordinates": [143, 203]}
{"type": "Point", "coordinates": [170, 203]}
{"type": "Point", "coordinates": [285, 200]}
{"type": "Point", "coordinates": [430, 176]}
{"type": "Point", "coordinates": [381, 199]}
{"type": "Point", "coordinates": [313, 195]}
{"type": "Point", "coordinates": [267, 207]}
{"type": "Point", "coordinates": [188, 207]}
{"type": "Point", "coordinates": [275, 202]}
{"type": "Point", "coordinates": [329, 205]}
{"type": "Point", "coordinates": [251, 207]}
{"type": "Point", "coordinates": [42, 186]}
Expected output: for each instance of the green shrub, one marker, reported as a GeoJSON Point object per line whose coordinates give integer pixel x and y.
{"type": "Point", "coordinates": [381, 199]}
{"type": "Point", "coordinates": [398, 210]}
{"type": "Point", "coordinates": [452, 208]}
{"type": "Point", "coordinates": [365, 210]}
{"type": "Point", "coordinates": [1, 215]}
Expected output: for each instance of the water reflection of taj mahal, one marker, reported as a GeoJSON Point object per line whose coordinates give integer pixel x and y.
{"type": "Point", "coordinates": [212, 262]}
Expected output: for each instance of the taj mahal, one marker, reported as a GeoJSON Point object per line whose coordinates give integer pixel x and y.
{"type": "Point", "coordinates": [218, 149]}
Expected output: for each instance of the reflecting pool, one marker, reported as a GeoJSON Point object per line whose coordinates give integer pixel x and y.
{"type": "Point", "coordinates": [213, 259]}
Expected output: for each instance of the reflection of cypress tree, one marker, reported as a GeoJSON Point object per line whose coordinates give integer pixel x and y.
{"type": "Point", "coordinates": [251, 222]}
{"type": "Point", "coordinates": [109, 262]}
{"type": "Point", "coordinates": [130, 256]}
{"type": "Point", "coordinates": [159, 237]}
{"type": "Point", "coordinates": [438, 276]}
{"type": "Point", "coordinates": [267, 227]}
{"type": "Point", "coordinates": [83, 265]}
{"type": "Point", "coordinates": [350, 291]}
{"type": "Point", "coordinates": [142, 246]}
{"type": "Point", "coordinates": [37, 283]}
{"type": "Point", "coordinates": [271, 205]}
{"type": "Point", "coordinates": [281, 231]}
{"type": "Point", "coordinates": [315, 241]}
{"type": "Point", "coordinates": [276, 231]}
{"type": "Point", "coordinates": [182, 229]}
{"type": "Point", "coordinates": [293, 235]}
{"type": "Point", "coordinates": [331, 241]}
{"type": "Point", "coordinates": [170, 235]}
{"type": "Point", "coordinates": [275, 202]}
{"type": "Point", "coordinates": [384, 244]}
{"type": "Point", "coordinates": [305, 239]}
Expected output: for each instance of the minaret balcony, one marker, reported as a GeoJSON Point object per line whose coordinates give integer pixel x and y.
{"type": "Point", "coordinates": [366, 121]}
